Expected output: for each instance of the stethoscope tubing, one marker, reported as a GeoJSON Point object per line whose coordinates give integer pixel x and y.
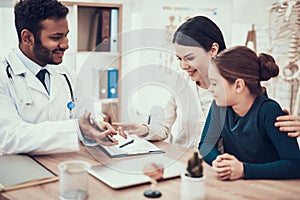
{"type": "Point", "coordinates": [70, 105]}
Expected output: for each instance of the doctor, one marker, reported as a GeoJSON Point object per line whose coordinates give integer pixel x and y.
{"type": "Point", "coordinates": [43, 116]}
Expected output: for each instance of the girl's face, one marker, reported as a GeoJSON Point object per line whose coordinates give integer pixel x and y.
{"type": "Point", "coordinates": [222, 90]}
{"type": "Point", "coordinates": [194, 60]}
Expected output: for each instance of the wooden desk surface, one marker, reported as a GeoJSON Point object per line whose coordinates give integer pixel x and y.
{"type": "Point", "coordinates": [215, 189]}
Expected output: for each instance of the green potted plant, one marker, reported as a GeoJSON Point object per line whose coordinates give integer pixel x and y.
{"type": "Point", "coordinates": [192, 180]}
{"type": "Point", "coordinates": [195, 167]}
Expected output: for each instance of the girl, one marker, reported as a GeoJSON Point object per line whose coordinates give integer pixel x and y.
{"type": "Point", "coordinates": [244, 118]}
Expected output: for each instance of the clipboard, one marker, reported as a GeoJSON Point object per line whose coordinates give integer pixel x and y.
{"type": "Point", "coordinates": [131, 146]}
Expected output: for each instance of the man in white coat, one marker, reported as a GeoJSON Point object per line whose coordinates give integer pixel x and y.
{"type": "Point", "coordinates": [43, 116]}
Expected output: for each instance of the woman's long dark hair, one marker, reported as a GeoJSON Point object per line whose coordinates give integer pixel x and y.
{"type": "Point", "coordinates": [199, 31]}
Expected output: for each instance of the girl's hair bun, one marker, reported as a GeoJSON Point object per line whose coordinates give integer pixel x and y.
{"type": "Point", "coordinates": [268, 67]}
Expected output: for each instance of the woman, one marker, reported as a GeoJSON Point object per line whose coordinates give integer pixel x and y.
{"type": "Point", "coordinates": [196, 40]}
{"type": "Point", "coordinates": [191, 99]}
{"type": "Point", "coordinates": [244, 118]}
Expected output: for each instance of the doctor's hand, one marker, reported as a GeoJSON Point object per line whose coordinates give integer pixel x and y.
{"type": "Point", "coordinates": [289, 123]}
{"type": "Point", "coordinates": [99, 131]}
{"type": "Point", "coordinates": [133, 128]}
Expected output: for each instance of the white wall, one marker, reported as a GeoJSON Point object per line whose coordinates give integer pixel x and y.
{"type": "Point", "coordinates": [8, 35]}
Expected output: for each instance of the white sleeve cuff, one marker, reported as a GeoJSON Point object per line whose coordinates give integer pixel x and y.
{"type": "Point", "coordinates": [80, 136]}
{"type": "Point", "coordinates": [84, 139]}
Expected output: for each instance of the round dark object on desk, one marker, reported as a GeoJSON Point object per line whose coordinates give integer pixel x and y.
{"type": "Point", "coordinates": [152, 194]}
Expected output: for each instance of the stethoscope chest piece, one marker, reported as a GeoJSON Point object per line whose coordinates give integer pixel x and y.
{"type": "Point", "coordinates": [70, 106]}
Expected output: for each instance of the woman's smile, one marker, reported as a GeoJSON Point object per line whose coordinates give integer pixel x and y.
{"type": "Point", "coordinates": [191, 72]}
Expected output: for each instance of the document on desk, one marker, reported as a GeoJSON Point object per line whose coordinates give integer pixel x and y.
{"type": "Point", "coordinates": [133, 145]}
{"type": "Point", "coordinates": [18, 171]}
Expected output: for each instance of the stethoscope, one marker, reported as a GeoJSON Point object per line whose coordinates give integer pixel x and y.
{"type": "Point", "coordinates": [28, 101]}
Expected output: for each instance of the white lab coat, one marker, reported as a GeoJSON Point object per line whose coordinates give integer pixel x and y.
{"type": "Point", "coordinates": [44, 126]}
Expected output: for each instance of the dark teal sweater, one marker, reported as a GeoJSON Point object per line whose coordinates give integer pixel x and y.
{"type": "Point", "coordinates": [253, 139]}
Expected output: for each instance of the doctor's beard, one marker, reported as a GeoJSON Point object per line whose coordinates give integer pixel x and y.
{"type": "Point", "coordinates": [44, 54]}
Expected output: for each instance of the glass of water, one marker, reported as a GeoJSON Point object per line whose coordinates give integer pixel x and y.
{"type": "Point", "coordinates": [74, 180]}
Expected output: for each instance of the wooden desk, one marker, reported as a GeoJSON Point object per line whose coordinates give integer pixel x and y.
{"type": "Point", "coordinates": [215, 189]}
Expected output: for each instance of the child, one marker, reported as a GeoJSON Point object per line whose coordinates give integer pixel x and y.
{"type": "Point", "coordinates": [244, 118]}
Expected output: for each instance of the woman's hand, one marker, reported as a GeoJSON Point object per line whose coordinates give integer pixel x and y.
{"type": "Point", "coordinates": [289, 124]}
{"type": "Point", "coordinates": [133, 128]}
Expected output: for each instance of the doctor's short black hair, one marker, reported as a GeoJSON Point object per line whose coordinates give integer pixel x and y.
{"type": "Point", "coordinates": [29, 14]}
